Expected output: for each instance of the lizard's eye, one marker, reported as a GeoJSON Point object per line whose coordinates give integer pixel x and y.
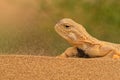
{"type": "Point", "coordinates": [67, 26]}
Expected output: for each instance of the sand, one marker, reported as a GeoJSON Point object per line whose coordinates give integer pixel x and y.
{"type": "Point", "coordinates": [24, 67]}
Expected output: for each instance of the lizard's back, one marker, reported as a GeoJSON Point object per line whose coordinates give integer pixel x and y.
{"type": "Point", "coordinates": [114, 45]}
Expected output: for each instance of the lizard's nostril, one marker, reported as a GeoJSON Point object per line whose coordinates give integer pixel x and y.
{"type": "Point", "coordinates": [59, 22]}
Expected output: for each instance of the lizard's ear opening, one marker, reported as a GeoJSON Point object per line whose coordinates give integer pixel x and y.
{"type": "Point", "coordinates": [72, 36]}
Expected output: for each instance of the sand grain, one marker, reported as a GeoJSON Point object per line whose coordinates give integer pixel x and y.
{"type": "Point", "coordinates": [50, 68]}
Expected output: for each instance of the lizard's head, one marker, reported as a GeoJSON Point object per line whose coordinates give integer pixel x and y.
{"type": "Point", "coordinates": [70, 30]}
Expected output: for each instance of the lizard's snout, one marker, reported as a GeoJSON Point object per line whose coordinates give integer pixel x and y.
{"type": "Point", "coordinates": [59, 22]}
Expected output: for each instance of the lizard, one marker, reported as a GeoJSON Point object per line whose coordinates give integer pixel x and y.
{"type": "Point", "coordinates": [83, 44]}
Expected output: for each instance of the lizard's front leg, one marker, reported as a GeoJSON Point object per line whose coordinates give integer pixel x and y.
{"type": "Point", "coordinates": [116, 55]}
{"type": "Point", "coordinates": [69, 52]}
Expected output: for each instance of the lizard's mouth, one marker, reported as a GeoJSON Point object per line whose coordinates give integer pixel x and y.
{"type": "Point", "coordinates": [69, 36]}
{"type": "Point", "coordinates": [62, 32]}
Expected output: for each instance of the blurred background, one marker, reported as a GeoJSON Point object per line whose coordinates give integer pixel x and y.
{"type": "Point", "coordinates": [27, 26]}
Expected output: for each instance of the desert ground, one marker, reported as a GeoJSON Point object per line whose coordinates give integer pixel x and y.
{"type": "Point", "coordinates": [29, 67]}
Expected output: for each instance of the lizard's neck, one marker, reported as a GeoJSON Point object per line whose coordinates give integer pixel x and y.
{"type": "Point", "coordinates": [91, 38]}
{"type": "Point", "coordinates": [84, 37]}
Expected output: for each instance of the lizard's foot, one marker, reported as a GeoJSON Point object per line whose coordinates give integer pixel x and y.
{"type": "Point", "coordinates": [62, 56]}
{"type": "Point", "coordinates": [116, 56]}
{"type": "Point", "coordinates": [69, 52]}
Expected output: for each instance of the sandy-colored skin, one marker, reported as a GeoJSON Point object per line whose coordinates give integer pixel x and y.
{"type": "Point", "coordinates": [78, 37]}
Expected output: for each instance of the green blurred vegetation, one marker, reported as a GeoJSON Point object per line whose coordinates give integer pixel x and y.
{"type": "Point", "coordinates": [27, 26]}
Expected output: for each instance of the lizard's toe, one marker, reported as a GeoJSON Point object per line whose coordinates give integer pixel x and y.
{"type": "Point", "coordinates": [116, 56]}
{"type": "Point", "coordinates": [61, 56]}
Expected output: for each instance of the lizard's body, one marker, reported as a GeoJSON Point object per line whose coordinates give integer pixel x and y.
{"type": "Point", "coordinates": [78, 37]}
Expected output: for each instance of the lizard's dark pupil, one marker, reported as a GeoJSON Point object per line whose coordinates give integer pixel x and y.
{"type": "Point", "coordinates": [67, 26]}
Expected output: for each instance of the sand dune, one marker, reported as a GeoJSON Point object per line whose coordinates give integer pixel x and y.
{"type": "Point", "coordinates": [49, 68]}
